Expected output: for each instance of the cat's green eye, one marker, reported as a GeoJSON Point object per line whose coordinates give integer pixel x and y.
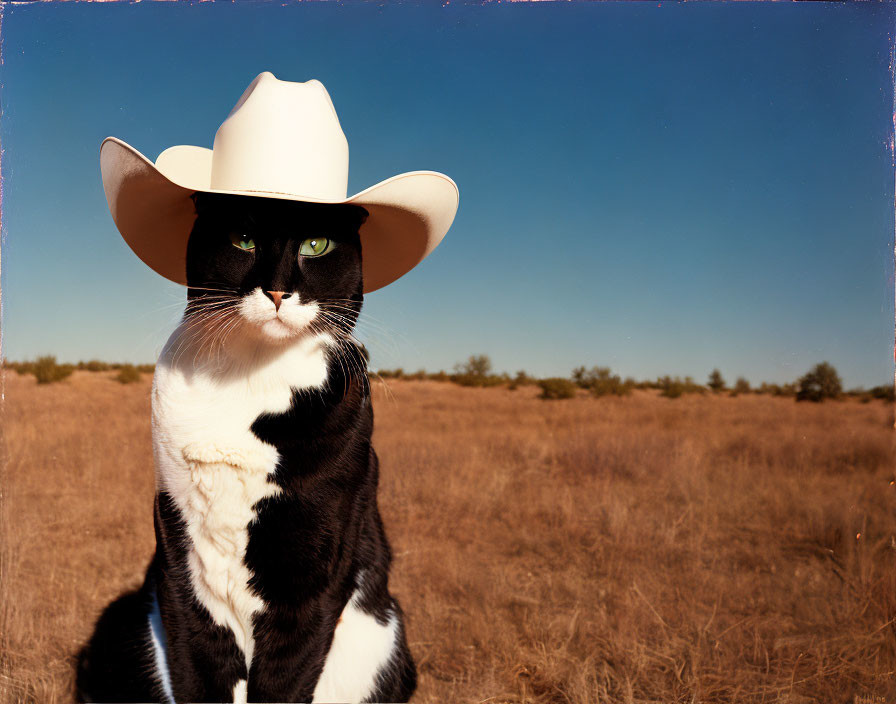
{"type": "Point", "coordinates": [316, 246]}
{"type": "Point", "coordinates": [241, 241]}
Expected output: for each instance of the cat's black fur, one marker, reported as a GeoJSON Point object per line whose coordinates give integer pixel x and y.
{"type": "Point", "coordinates": [309, 543]}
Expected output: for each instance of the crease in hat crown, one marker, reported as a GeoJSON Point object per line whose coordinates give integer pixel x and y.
{"type": "Point", "coordinates": [280, 137]}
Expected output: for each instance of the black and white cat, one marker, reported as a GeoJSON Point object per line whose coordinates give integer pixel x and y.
{"type": "Point", "coordinates": [270, 576]}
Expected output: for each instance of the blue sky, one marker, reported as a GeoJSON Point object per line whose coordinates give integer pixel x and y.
{"type": "Point", "coordinates": [660, 189]}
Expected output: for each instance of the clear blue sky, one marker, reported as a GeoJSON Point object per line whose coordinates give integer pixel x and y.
{"type": "Point", "coordinates": [661, 189]}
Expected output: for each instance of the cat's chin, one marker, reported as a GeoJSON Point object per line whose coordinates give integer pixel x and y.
{"type": "Point", "coordinates": [276, 330]}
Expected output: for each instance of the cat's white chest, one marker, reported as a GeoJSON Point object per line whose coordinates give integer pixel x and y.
{"type": "Point", "coordinates": [215, 469]}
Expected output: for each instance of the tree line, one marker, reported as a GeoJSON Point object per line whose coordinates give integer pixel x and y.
{"type": "Point", "coordinates": [819, 383]}
{"type": "Point", "coordinates": [47, 370]}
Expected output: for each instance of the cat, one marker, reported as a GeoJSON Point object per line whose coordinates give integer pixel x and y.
{"type": "Point", "coordinates": [270, 576]}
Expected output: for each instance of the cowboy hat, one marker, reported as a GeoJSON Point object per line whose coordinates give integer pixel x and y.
{"type": "Point", "coordinates": [281, 140]}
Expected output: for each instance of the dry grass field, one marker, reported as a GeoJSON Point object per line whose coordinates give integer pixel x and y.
{"type": "Point", "coordinates": [702, 549]}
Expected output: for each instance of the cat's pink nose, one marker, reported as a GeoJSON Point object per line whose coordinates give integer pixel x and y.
{"type": "Point", "coordinates": [277, 297]}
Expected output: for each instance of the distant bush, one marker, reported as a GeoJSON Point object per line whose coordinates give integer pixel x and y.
{"type": "Point", "coordinates": [612, 385]}
{"type": "Point", "coordinates": [391, 373]}
{"type": "Point", "coordinates": [675, 387]}
{"type": "Point", "coordinates": [776, 389]}
{"type": "Point", "coordinates": [521, 379]}
{"type": "Point", "coordinates": [19, 367]}
{"type": "Point", "coordinates": [479, 379]}
{"type": "Point", "coordinates": [670, 388]}
{"type": "Point", "coordinates": [439, 376]}
{"type": "Point", "coordinates": [146, 368]}
{"type": "Point", "coordinates": [821, 382]}
{"type": "Point", "coordinates": [884, 393]}
{"type": "Point", "coordinates": [127, 374]}
{"type": "Point", "coordinates": [46, 370]}
{"type": "Point", "coordinates": [741, 386]}
{"type": "Point", "coordinates": [94, 365]}
{"type": "Point", "coordinates": [475, 372]}
{"type": "Point", "coordinates": [580, 377]}
{"type": "Point", "coordinates": [601, 382]}
{"type": "Point", "coordinates": [716, 382]}
{"type": "Point", "coordinates": [556, 388]}
{"type": "Point", "coordinates": [477, 365]}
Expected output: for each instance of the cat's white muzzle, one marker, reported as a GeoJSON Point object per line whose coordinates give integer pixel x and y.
{"type": "Point", "coordinates": [292, 319]}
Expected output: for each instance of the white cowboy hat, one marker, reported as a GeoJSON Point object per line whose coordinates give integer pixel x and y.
{"type": "Point", "coordinates": [281, 140]}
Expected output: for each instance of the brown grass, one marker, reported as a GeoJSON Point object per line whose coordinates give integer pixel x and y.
{"type": "Point", "coordinates": [703, 549]}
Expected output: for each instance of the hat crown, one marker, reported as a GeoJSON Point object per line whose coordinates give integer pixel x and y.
{"type": "Point", "coordinates": [282, 137]}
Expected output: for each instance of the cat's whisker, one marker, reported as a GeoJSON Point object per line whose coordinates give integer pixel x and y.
{"type": "Point", "coordinates": [228, 326]}
{"type": "Point", "coordinates": [230, 289]}
{"type": "Point", "coordinates": [364, 321]}
{"type": "Point", "coordinates": [207, 315]}
{"type": "Point", "coordinates": [345, 303]}
{"type": "Point", "coordinates": [198, 322]}
{"type": "Point", "coordinates": [201, 310]}
{"type": "Point", "coordinates": [207, 327]}
{"type": "Point", "coordinates": [203, 321]}
{"type": "Point", "coordinates": [343, 327]}
{"type": "Point", "coordinates": [345, 373]}
{"type": "Point", "coordinates": [207, 300]}
{"type": "Point", "coordinates": [386, 388]}
{"type": "Point", "coordinates": [219, 323]}
{"type": "Point", "coordinates": [200, 304]}
{"type": "Point", "coordinates": [383, 339]}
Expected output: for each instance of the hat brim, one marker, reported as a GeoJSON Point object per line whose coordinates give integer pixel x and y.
{"type": "Point", "coordinates": [409, 214]}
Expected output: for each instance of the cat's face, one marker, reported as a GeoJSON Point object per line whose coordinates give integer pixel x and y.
{"type": "Point", "coordinates": [277, 270]}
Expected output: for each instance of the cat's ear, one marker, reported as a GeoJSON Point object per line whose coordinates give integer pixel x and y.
{"type": "Point", "coordinates": [203, 203]}
{"type": "Point", "coordinates": [359, 216]}
{"type": "Point", "coordinates": [197, 200]}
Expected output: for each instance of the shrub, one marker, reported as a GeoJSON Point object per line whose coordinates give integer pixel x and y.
{"type": "Point", "coordinates": [146, 368]}
{"type": "Point", "coordinates": [479, 379]}
{"type": "Point", "coordinates": [94, 365]}
{"type": "Point", "coordinates": [674, 387]}
{"type": "Point", "coordinates": [580, 377]}
{"type": "Point", "coordinates": [885, 393]}
{"type": "Point", "coordinates": [475, 372]}
{"type": "Point", "coordinates": [477, 365]}
{"type": "Point", "coordinates": [523, 379]}
{"type": "Point", "coordinates": [600, 382]}
{"type": "Point", "coordinates": [391, 373]}
{"type": "Point", "coordinates": [556, 388]}
{"type": "Point", "coordinates": [46, 370]}
{"type": "Point", "coordinates": [611, 385]}
{"type": "Point", "coordinates": [821, 382]}
{"type": "Point", "coordinates": [669, 387]}
{"type": "Point", "coordinates": [127, 374]}
{"type": "Point", "coordinates": [716, 382]}
{"type": "Point", "coordinates": [19, 367]}
{"type": "Point", "coordinates": [741, 386]}
{"type": "Point", "coordinates": [439, 376]}
{"type": "Point", "coordinates": [772, 389]}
